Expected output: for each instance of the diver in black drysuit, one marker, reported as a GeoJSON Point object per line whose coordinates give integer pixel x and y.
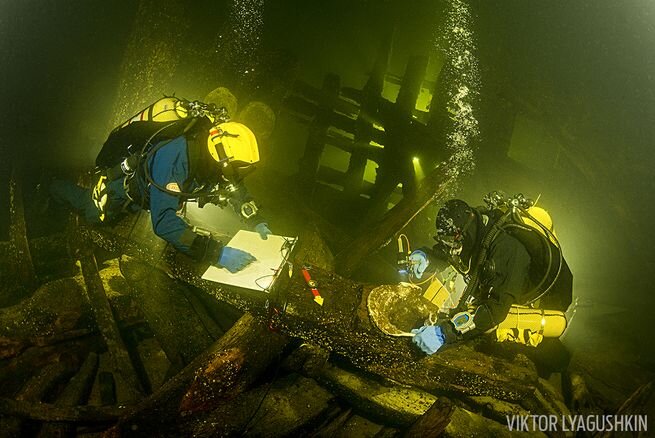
{"type": "Point", "coordinates": [512, 269]}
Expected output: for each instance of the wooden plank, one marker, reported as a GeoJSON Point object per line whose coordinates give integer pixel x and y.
{"type": "Point", "coordinates": [374, 236]}
{"type": "Point", "coordinates": [342, 325]}
{"type": "Point", "coordinates": [238, 358]}
{"type": "Point", "coordinates": [18, 232]}
{"type": "Point", "coordinates": [75, 393]}
{"type": "Point", "coordinates": [181, 332]}
{"type": "Point", "coordinates": [34, 390]}
{"type": "Point", "coordinates": [49, 412]}
{"type": "Point", "coordinates": [282, 408]}
{"type": "Point", "coordinates": [309, 163]}
{"type": "Point", "coordinates": [122, 363]}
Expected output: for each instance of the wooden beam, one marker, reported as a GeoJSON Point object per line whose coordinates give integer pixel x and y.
{"type": "Point", "coordinates": [122, 363]}
{"type": "Point", "coordinates": [238, 358]}
{"type": "Point", "coordinates": [75, 393]}
{"type": "Point", "coordinates": [49, 412]}
{"type": "Point", "coordinates": [43, 382]}
{"type": "Point", "coordinates": [18, 232]}
{"type": "Point", "coordinates": [181, 333]}
{"type": "Point", "coordinates": [309, 163]}
{"type": "Point", "coordinates": [342, 325]}
{"type": "Point", "coordinates": [285, 407]}
{"type": "Point", "coordinates": [376, 235]}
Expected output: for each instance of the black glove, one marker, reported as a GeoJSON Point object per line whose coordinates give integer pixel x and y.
{"type": "Point", "coordinates": [205, 249]}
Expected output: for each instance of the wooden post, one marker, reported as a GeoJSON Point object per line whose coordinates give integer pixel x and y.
{"type": "Point", "coordinates": [238, 358]}
{"type": "Point", "coordinates": [396, 165]}
{"type": "Point", "coordinates": [308, 165]}
{"type": "Point", "coordinates": [151, 56]}
{"type": "Point", "coordinates": [18, 233]}
{"type": "Point", "coordinates": [104, 317]}
{"type": "Point", "coordinates": [392, 223]}
{"type": "Point", "coordinates": [181, 333]}
{"type": "Point", "coordinates": [368, 112]}
{"type": "Point", "coordinates": [34, 390]}
{"type": "Point", "coordinates": [75, 393]}
{"type": "Point", "coordinates": [411, 84]}
{"type": "Point", "coordinates": [343, 326]}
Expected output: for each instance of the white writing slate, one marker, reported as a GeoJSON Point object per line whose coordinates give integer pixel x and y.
{"type": "Point", "coordinates": [260, 274]}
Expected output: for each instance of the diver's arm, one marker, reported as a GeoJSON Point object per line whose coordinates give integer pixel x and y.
{"type": "Point", "coordinates": [510, 278]}
{"type": "Point", "coordinates": [169, 168]}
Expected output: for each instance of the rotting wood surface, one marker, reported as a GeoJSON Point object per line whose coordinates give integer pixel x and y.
{"type": "Point", "coordinates": [337, 327]}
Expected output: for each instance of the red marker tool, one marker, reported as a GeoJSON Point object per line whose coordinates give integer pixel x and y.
{"type": "Point", "coordinates": [313, 286]}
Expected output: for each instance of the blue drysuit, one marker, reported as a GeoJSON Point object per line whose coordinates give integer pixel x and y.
{"type": "Point", "coordinates": [169, 168]}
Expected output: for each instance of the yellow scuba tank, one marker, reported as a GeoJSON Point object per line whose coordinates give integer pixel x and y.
{"type": "Point", "coordinates": [537, 218]}
{"type": "Point", "coordinates": [525, 325]}
{"type": "Point", "coordinates": [166, 109]}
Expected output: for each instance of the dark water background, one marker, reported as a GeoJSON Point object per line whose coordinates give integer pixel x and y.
{"type": "Point", "coordinates": [588, 65]}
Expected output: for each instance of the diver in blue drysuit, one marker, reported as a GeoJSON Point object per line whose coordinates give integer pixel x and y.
{"type": "Point", "coordinates": [169, 168]}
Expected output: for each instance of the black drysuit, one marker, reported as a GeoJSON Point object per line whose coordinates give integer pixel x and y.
{"type": "Point", "coordinates": [504, 280]}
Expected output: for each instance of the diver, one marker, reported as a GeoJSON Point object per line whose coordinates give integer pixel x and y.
{"type": "Point", "coordinates": [172, 152]}
{"type": "Point", "coordinates": [512, 266]}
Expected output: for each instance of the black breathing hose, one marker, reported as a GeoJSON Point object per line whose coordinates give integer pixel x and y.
{"type": "Point", "coordinates": [146, 154]}
{"type": "Point", "coordinates": [495, 230]}
{"type": "Point", "coordinates": [549, 236]}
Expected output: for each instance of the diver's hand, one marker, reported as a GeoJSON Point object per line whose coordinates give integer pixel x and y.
{"type": "Point", "coordinates": [418, 263]}
{"type": "Point", "coordinates": [263, 230]}
{"type": "Point", "coordinates": [429, 338]}
{"type": "Point", "coordinates": [234, 259]}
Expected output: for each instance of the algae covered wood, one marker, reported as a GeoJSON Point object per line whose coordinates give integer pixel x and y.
{"type": "Point", "coordinates": [284, 407]}
{"type": "Point", "coordinates": [375, 235]}
{"type": "Point", "coordinates": [226, 368]}
{"type": "Point", "coordinates": [34, 390]}
{"type": "Point", "coordinates": [342, 327]}
{"type": "Point", "coordinates": [181, 333]}
{"type": "Point", "coordinates": [396, 405]}
{"type": "Point", "coordinates": [122, 363]}
{"type": "Point", "coordinates": [49, 412]}
{"type": "Point", "coordinates": [56, 311]}
{"type": "Point", "coordinates": [75, 393]}
{"type": "Point", "coordinates": [23, 265]}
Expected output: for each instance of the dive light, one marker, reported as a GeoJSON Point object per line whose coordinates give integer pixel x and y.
{"type": "Point", "coordinates": [403, 255]}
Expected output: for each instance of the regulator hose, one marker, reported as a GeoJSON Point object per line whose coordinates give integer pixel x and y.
{"type": "Point", "coordinates": [148, 152]}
